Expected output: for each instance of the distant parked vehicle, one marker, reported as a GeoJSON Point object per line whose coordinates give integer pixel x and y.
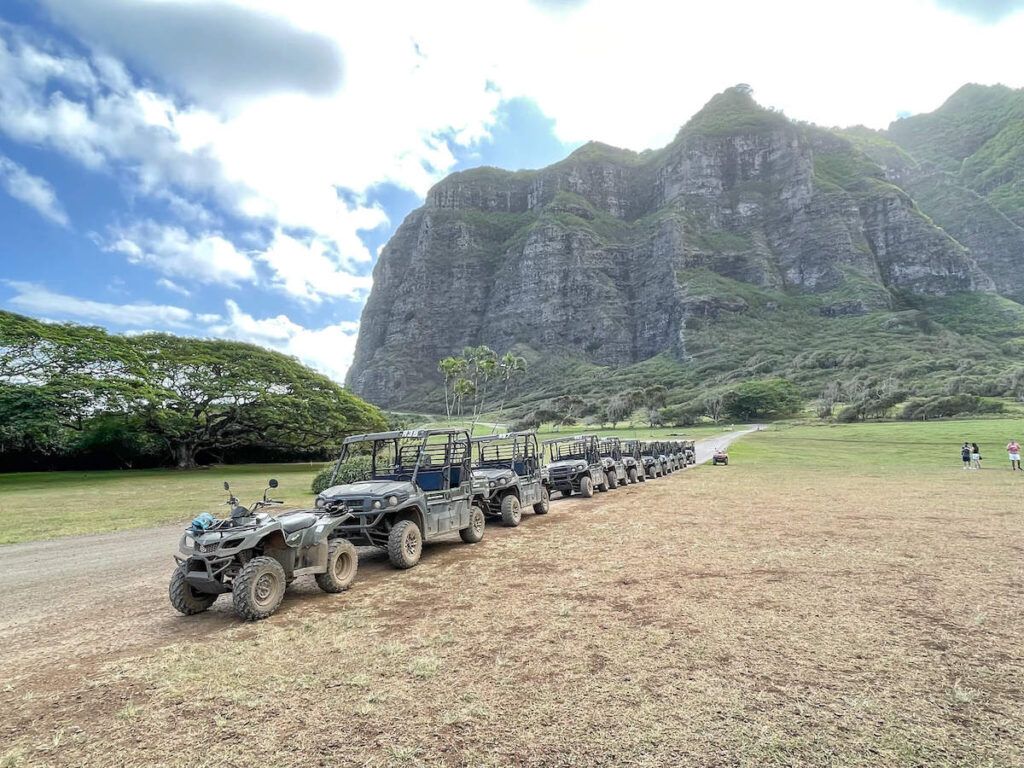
{"type": "Point", "coordinates": [610, 449]}
{"type": "Point", "coordinates": [420, 487]}
{"type": "Point", "coordinates": [632, 458]}
{"type": "Point", "coordinates": [509, 469]}
{"type": "Point", "coordinates": [255, 555]}
{"type": "Point", "coordinates": [720, 456]}
{"type": "Point", "coordinates": [664, 455]}
{"type": "Point", "coordinates": [690, 451]}
{"type": "Point", "coordinates": [575, 466]}
{"type": "Point", "coordinates": [650, 458]}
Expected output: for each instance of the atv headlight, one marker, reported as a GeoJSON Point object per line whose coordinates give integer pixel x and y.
{"type": "Point", "coordinates": [377, 504]}
{"type": "Point", "coordinates": [190, 542]}
{"type": "Point", "coordinates": [392, 501]}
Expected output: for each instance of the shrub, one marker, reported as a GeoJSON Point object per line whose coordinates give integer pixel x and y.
{"type": "Point", "coordinates": [952, 405]}
{"type": "Point", "coordinates": [356, 468]}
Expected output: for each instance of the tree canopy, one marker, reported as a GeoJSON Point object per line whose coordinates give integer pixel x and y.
{"type": "Point", "coordinates": [67, 389]}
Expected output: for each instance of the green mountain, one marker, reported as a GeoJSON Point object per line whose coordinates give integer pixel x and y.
{"type": "Point", "coordinates": [750, 247]}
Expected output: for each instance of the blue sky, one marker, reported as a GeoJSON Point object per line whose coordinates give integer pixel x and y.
{"type": "Point", "coordinates": [231, 168]}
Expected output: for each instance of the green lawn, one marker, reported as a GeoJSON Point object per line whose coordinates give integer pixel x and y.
{"type": "Point", "coordinates": [44, 505]}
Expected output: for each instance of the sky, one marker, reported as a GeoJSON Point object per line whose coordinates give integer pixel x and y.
{"type": "Point", "coordinates": [232, 168]}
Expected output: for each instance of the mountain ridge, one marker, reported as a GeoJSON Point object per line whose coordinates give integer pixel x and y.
{"type": "Point", "coordinates": [613, 258]}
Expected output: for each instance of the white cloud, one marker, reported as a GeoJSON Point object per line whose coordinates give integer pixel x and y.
{"type": "Point", "coordinates": [328, 349]}
{"type": "Point", "coordinates": [38, 300]}
{"type": "Point", "coordinates": [34, 191]}
{"type": "Point", "coordinates": [172, 286]}
{"type": "Point", "coordinates": [310, 270]}
{"type": "Point", "coordinates": [208, 258]}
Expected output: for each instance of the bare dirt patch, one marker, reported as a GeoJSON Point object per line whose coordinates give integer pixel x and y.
{"type": "Point", "coordinates": [720, 617]}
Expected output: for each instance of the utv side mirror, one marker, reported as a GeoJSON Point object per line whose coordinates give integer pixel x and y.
{"type": "Point", "coordinates": [227, 487]}
{"type": "Point", "coordinates": [273, 483]}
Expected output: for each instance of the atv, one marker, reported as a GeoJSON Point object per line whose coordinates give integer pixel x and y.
{"type": "Point", "coordinates": [254, 555]}
{"type": "Point", "coordinates": [632, 459]}
{"type": "Point", "coordinates": [720, 456]}
{"type": "Point", "coordinates": [510, 465]}
{"type": "Point", "coordinates": [611, 458]}
{"type": "Point", "coordinates": [419, 488]}
{"type": "Point", "coordinates": [575, 466]}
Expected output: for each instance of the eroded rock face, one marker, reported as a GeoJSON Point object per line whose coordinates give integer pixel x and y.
{"type": "Point", "coordinates": [599, 256]}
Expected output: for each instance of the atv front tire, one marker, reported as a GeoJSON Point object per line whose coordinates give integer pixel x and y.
{"type": "Point", "coordinates": [184, 598]}
{"type": "Point", "coordinates": [511, 511]}
{"type": "Point", "coordinates": [586, 487]}
{"type": "Point", "coordinates": [342, 564]}
{"type": "Point", "coordinates": [405, 544]}
{"type": "Point", "coordinates": [258, 588]}
{"type": "Point", "coordinates": [474, 532]}
{"type": "Point", "coordinates": [542, 506]}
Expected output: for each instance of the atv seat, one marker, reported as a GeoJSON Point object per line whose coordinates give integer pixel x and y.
{"type": "Point", "coordinates": [296, 522]}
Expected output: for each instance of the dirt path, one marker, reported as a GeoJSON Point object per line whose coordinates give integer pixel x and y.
{"type": "Point", "coordinates": [75, 601]}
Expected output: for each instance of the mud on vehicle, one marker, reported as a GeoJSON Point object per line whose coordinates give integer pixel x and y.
{"type": "Point", "coordinates": [610, 449]}
{"type": "Point", "coordinates": [574, 466]}
{"type": "Point", "coordinates": [632, 458]}
{"type": "Point", "coordinates": [254, 555]}
{"type": "Point", "coordinates": [689, 451]}
{"type": "Point", "coordinates": [420, 487]}
{"type": "Point", "coordinates": [508, 468]}
{"type": "Point", "coordinates": [649, 457]}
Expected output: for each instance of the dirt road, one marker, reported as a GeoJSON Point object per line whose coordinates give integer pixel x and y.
{"type": "Point", "coordinates": [78, 600]}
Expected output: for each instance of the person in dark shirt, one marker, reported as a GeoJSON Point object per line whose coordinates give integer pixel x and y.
{"type": "Point", "coordinates": [965, 455]}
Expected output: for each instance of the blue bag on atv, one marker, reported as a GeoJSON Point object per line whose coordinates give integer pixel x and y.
{"type": "Point", "coordinates": [204, 522]}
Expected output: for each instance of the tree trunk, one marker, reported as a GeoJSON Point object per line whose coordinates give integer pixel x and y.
{"type": "Point", "coordinates": [184, 456]}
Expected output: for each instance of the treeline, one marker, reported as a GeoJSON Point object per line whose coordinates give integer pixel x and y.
{"type": "Point", "coordinates": [73, 396]}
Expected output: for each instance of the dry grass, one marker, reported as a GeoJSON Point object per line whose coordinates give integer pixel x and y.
{"type": "Point", "coordinates": [740, 616]}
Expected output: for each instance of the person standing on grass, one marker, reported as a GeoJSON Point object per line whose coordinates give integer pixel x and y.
{"type": "Point", "coordinates": [1013, 449]}
{"type": "Point", "coordinates": [975, 456]}
{"type": "Point", "coordinates": [965, 455]}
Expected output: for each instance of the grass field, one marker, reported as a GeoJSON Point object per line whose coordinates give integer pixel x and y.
{"type": "Point", "coordinates": [836, 596]}
{"type": "Point", "coordinates": [44, 505]}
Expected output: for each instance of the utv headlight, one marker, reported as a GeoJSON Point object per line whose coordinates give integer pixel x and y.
{"type": "Point", "coordinates": [502, 481]}
{"type": "Point", "coordinates": [320, 502]}
{"type": "Point", "coordinates": [392, 501]}
{"type": "Point", "coordinates": [377, 504]}
{"type": "Point", "coordinates": [491, 484]}
{"type": "Point", "coordinates": [581, 466]}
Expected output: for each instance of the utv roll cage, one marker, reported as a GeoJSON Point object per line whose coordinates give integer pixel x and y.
{"type": "Point", "coordinates": [610, 448]}
{"type": "Point", "coordinates": [518, 451]}
{"type": "Point", "coordinates": [633, 448]}
{"type": "Point", "coordinates": [431, 459]}
{"type": "Point", "coordinates": [582, 447]}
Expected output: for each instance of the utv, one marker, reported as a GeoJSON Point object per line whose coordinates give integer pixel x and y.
{"type": "Point", "coordinates": [677, 453]}
{"type": "Point", "coordinates": [575, 466]}
{"type": "Point", "coordinates": [632, 458]}
{"type": "Point", "coordinates": [664, 455]}
{"type": "Point", "coordinates": [254, 555]}
{"type": "Point", "coordinates": [420, 487]}
{"type": "Point", "coordinates": [510, 467]}
{"type": "Point", "coordinates": [611, 458]}
{"type": "Point", "coordinates": [649, 458]}
{"type": "Point", "coordinates": [690, 452]}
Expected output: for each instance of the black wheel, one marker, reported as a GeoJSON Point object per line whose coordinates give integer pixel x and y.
{"type": "Point", "coordinates": [342, 564]}
{"type": "Point", "coordinates": [473, 532]}
{"type": "Point", "coordinates": [651, 473]}
{"type": "Point", "coordinates": [586, 487]}
{"type": "Point", "coordinates": [567, 493]}
{"type": "Point", "coordinates": [633, 477]}
{"type": "Point", "coordinates": [511, 511]}
{"type": "Point", "coordinates": [726, 462]}
{"type": "Point", "coordinates": [405, 544]}
{"type": "Point", "coordinates": [258, 588]}
{"type": "Point", "coordinates": [542, 506]}
{"type": "Point", "coordinates": [184, 598]}
{"type": "Point", "coordinates": [611, 481]}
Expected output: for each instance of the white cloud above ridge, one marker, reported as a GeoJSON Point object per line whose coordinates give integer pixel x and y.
{"type": "Point", "coordinates": [40, 301]}
{"type": "Point", "coordinates": [34, 191]}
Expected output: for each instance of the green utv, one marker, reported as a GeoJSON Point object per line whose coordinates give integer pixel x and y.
{"type": "Point", "coordinates": [610, 449]}
{"type": "Point", "coordinates": [632, 458]}
{"type": "Point", "coordinates": [420, 487]}
{"type": "Point", "coordinates": [255, 555]}
{"type": "Point", "coordinates": [575, 466]}
{"type": "Point", "coordinates": [511, 476]}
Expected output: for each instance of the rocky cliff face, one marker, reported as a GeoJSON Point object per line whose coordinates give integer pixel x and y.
{"type": "Point", "coordinates": [606, 256]}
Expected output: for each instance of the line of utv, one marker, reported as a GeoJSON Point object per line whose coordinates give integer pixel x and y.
{"type": "Point", "coordinates": [422, 484]}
